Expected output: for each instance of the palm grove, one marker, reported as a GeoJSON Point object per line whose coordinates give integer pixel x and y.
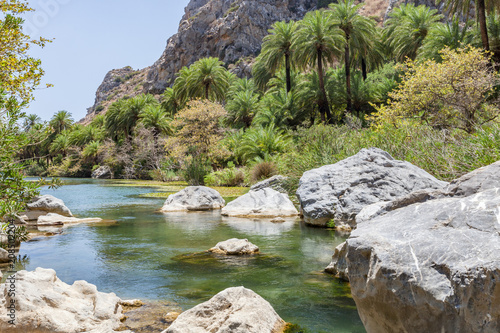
{"type": "Point", "coordinates": [423, 87]}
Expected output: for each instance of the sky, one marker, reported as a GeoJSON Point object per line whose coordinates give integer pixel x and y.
{"type": "Point", "coordinates": [91, 37]}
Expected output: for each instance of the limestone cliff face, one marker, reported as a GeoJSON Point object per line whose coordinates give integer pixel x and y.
{"type": "Point", "coordinates": [117, 83]}
{"type": "Point", "coordinates": [227, 29]}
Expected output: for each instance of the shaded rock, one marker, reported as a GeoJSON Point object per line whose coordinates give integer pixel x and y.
{"type": "Point", "coordinates": [338, 266]}
{"type": "Point", "coordinates": [103, 172]}
{"type": "Point", "coordinates": [236, 310]}
{"type": "Point", "coordinates": [235, 246]}
{"type": "Point", "coordinates": [49, 204]}
{"type": "Point", "coordinates": [4, 256]}
{"type": "Point", "coordinates": [340, 191]}
{"type": "Point", "coordinates": [133, 303]}
{"type": "Point", "coordinates": [275, 182]}
{"type": "Point", "coordinates": [194, 198]}
{"type": "Point", "coordinates": [262, 203]}
{"type": "Point", "coordinates": [46, 304]}
{"type": "Point", "coordinates": [56, 219]}
{"type": "Point", "coordinates": [278, 219]}
{"type": "Point", "coordinates": [430, 266]}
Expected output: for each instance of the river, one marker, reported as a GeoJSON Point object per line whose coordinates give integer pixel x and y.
{"type": "Point", "coordinates": [155, 256]}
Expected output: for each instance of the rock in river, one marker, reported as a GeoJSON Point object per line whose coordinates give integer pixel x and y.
{"type": "Point", "coordinates": [42, 205]}
{"type": "Point", "coordinates": [429, 267]}
{"type": "Point", "coordinates": [103, 172]}
{"type": "Point", "coordinates": [262, 203]}
{"type": "Point", "coordinates": [235, 310]}
{"type": "Point", "coordinates": [339, 191]}
{"type": "Point", "coordinates": [275, 182]}
{"type": "Point", "coordinates": [235, 246]}
{"type": "Point", "coordinates": [46, 304]}
{"type": "Point", "coordinates": [194, 198]}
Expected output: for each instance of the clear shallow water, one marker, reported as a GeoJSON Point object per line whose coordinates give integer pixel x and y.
{"type": "Point", "coordinates": [157, 256]}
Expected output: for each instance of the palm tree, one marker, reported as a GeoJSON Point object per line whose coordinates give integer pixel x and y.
{"type": "Point", "coordinates": [359, 33]}
{"type": "Point", "coordinates": [114, 121]}
{"type": "Point", "coordinates": [260, 73]}
{"type": "Point", "coordinates": [60, 144]}
{"type": "Point", "coordinates": [463, 7]}
{"type": "Point", "coordinates": [171, 101]}
{"type": "Point", "coordinates": [242, 107]}
{"type": "Point", "coordinates": [133, 107]}
{"type": "Point", "coordinates": [30, 121]}
{"type": "Point", "coordinates": [261, 142]}
{"type": "Point", "coordinates": [155, 118]}
{"type": "Point", "coordinates": [61, 121]}
{"type": "Point", "coordinates": [494, 34]}
{"type": "Point", "coordinates": [277, 47]}
{"type": "Point", "coordinates": [450, 34]}
{"type": "Point", "coordinates": [209, 79]}
{"type": "Point", "coordinates": [318, 42]}
{"type": "Point", "coordinates": [407, 28]}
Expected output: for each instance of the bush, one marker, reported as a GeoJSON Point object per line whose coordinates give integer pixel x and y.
{"type": "Point", "coordinates": [230, 176]}
{"type": "Point", "coordinates": [263, 170]}
{"type": "Point", "coordinates": [195, 170]}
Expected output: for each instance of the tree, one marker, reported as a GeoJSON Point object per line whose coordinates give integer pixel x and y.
{"type": "Point", "coordinates": [207, 78]}
{"type": "Point", "coordinates": [451, 34]}
{"type": "Point", "coordinates": [262, 142]}
{"type": "Point", "coordinates": [61, 121]}
{"type": "Point", "coordinates": [242, 107]}
{"type": "Point", "coordinates": [155, 118]}
{"type": "Point", "coordinates": [171, 101]}
{"type": "Point", "coordinates": [20, 74]}
{"type": "Point", "coordinates": [30, 121]}
{"type": "Point", "coordinates": [463, 7]}
{"type": "Point", "coordinates": [359, 33]}
{"type": "Point", "coordinates": [277, 48]}
{"type": "Point", "coordinates": [318, 42]}
{"type": "Point", "coordinates": [407, 28]}
{"type": "Point", "coordinates": [456, 93]}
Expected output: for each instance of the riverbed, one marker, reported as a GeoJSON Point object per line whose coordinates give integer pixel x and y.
{"type": "Point", "coordinates": [155, 256]}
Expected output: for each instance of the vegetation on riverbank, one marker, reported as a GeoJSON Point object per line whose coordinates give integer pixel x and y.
{"type": "Point", "coordinates": [323, 88]}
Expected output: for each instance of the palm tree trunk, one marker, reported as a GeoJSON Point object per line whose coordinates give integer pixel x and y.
{"type": "Point", "coordinates": [481, 13]}
{"type": "Point", "coordinates": [288, 78]}
{"type": "Point", "coordinates": [324, 109]}
{"type": "Point", "coordinates": [206, 91]}
{"type": "Point", "coordinates": [348, 75]}
{"type": "Point", "coordinates": [363, 69]}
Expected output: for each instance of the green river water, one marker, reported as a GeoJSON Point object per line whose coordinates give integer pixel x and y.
{"type": "Point", "coordinates": [155, 256]}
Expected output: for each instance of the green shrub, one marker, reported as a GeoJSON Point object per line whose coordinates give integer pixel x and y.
{"type": "Point", "coordinates": [195, 170]}
{"type": "Point", "coordinates": [230, 176]}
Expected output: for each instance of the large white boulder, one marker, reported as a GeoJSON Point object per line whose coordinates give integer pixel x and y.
{"type": "Point", "coordinates": [235, 310]}
{"type": "Point", "coordinates": [432, 266]}
{"type": "Point", "coordinates": [194, 198]}
{"type": "Point", "coordinates": [56, 219]}
{"type": "Point", "coordinates": [341, 190]}
{"type": "Point", "coordinates": [46, 304]}
{"type": "Point", "coordinates": [262, 203]}
{"type": "Point", "coordinates": [49, 204]}
{"type": "Point", "coordinates": [235, 246]}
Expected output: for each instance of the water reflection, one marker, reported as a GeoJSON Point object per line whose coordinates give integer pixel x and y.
{"type": "Point", "coordinates": [262, 227]}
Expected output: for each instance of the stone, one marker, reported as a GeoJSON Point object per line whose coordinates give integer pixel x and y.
{"type": "Point", "coordinates": [102, 172]}
{"type": "Point", "coordinates": [194, 198]}
{"type": "Point", "coordinates": [46, 304]}
{"type": "Point", "coordinates": [235, 246]}
{"type": "Point", "coordinates": [338, 266]}
{"type": "Point", "coordinates": [430, 266]}
{"type": "Point", "coordinates": [235, 310]}
{"type": "Point", "coordinates": [262, 203]}
{"type": "Point", "coordinates": [275, 182]}
{"type": "Point", "coordinates": [49, 204]}
{"type": "Point", "coordinates": [133, 303]}
{"type": "Point", "coordinates": [278, 219]}
{"type": "Point", "coordinates": [4, 256]}
{"type": "Point", "coordinates": [341, 190]}
{"type": "Point", "coordinates": [52, 219]}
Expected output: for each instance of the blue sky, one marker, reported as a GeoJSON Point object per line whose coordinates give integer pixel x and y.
{"type": "Point", "coordinates": [91, 38]}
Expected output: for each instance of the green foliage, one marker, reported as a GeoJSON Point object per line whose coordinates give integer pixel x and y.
{"type": "Point", "coordinates": [230, 176]}
{"type": "Point", "coordinates": [195, 169]}
{"type": "Point", "coordinates": [262, 142]}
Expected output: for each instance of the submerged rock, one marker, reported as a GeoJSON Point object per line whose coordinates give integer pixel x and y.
{"type": "Point", "coordinates": [340, 191]}
{"type": "Point", "coordinates": [103, 172]}
{"type": "Point", "coordinates": [428, 267]}
{"type": "Point", "coordinates": [56, 219]}
{"type": "Point", "coordinates": [235, 246]}
{"type": "Point", "coordinates": [338, 266]}
{"type": "Point", "coordinates": [262, 203]}
{"type": "Point", "coordinates": [194, 198]}
{"type": "Point", "coordinates": [236, 310]}
{"type": "Point", "coordinates": [46, 304]}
